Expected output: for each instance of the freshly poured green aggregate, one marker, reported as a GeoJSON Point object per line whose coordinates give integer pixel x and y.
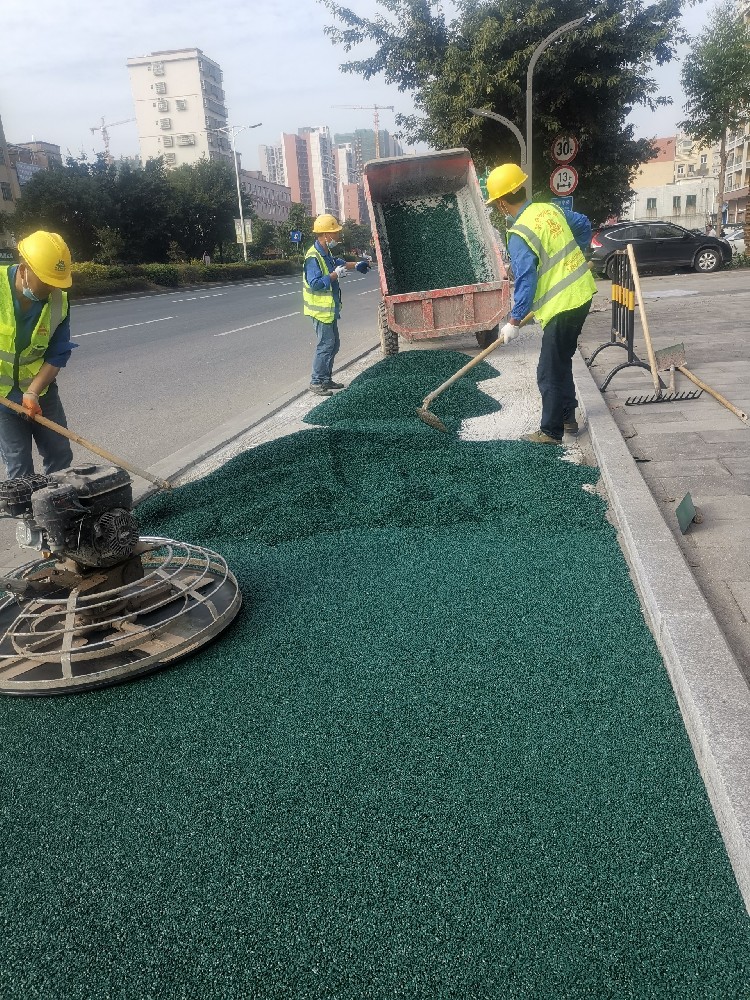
{"type": "Point", "coordinates": [436, 756]}
{"type": "Point", "coordinates": [433, 243]}
{"type": "Point", "coordinates": [387, 395]}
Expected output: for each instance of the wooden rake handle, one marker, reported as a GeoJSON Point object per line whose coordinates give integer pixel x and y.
{"type": "Point", "coordinates": [472, 364]}
{"type": "Point", "coordinates": [644, 321]}
{"type": "Point", "coordinates": [712, 392]}
{"type": "Point", "coordinates": [119, 462]}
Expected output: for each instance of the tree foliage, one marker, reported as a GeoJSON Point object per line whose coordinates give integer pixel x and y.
{"type": "Point", "coordinates": [124, 213]}
{"type": "Point", "coordinates": [716, 81]}
{"type": "Point", "coordinates": [585, 84]}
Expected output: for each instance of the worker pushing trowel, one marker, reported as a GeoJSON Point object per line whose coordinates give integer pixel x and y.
{"type": "Point", "coordinates": [553, 284]}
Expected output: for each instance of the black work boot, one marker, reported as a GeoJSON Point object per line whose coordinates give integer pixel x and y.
{"type": "Point", "coordinates": [321, 390]}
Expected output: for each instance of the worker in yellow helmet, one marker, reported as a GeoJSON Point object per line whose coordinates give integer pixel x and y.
{"type": "Point", "coordinates": [552, 279]}
{"type": "Point", "coordinates": [321, 296]}
{"type": "Point", "coordinates": [34, 345]}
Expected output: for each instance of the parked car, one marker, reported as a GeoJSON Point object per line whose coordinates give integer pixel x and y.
{"type": "Point", "coordinates": [658, 245]}
{"type": "Point", "coordinates": [736, 239]}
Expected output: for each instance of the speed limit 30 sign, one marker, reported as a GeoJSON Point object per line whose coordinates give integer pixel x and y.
{"type": "Point", "coordinates": [565, 149]}
{"type": "Point", "coordinates": [564, 180]}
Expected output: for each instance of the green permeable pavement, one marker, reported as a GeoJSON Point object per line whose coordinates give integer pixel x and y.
{"type": "Point", "coordinates": [436, 756]}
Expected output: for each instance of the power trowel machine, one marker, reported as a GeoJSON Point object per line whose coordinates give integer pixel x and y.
{"type": "Point", "coordinates": [100, 604]}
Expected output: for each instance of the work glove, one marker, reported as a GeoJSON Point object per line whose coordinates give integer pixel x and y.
{"type": "Point", "coordinates": [362, 266]}
{"type": "Point", "coordinates": [509, 332]}
{"type": "Point", "coordinates": [31, 404]}
{"type": "Point", "coordinates": [341, 269]}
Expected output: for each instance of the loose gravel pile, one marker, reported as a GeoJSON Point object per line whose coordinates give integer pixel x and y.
{"type": "Point", "coordinates": [434, 242]}
{"type": "Point", "coordinates": [437, 755]}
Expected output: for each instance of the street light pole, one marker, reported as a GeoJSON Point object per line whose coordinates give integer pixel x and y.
{"type": "Point", "coordinates": [529, 76]}
{"type": "Point", "coordinates": [231, 131]}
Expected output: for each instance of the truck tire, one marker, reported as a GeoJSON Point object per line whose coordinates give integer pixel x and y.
{"type": "Point", "coordinates": [388, 339]}
{"type": "Point", "coordinates": [487, 337]}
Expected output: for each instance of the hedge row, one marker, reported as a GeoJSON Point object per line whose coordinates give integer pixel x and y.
{"type": "Point", "coordinates": [104, 279]}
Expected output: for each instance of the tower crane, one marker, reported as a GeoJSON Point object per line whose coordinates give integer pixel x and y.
{"type": "Point", "coordinates": [375, 118]}
{"type": "Point", "coordinates": [104, 129]}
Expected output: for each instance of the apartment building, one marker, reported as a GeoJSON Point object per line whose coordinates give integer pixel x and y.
{"type": "Point", "coordinates": [179, 100]}
{"type": "Point", "coordinates": [294, 169]}
{"type": "Point", "coordinates": [362, 141]}
{"type": "Point", "coordinates": [271, 201]}
{"type": "Point", "coordinates": [271, 160]}
{"type": "Point", "coordinates": [28, 158]}
{"type": "Point", "coordinates": [737, 177]}
{"type": "Point", "coordinates": [10, 192]}
{"type": "Point", "coordinates": [322, 160]}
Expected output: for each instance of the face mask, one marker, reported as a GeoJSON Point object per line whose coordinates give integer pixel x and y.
{"type": "Point", "coordinates": [509, 220]}
{"type": "Point", "coordinates": [334, 243]}
{"type": "Point", "coordinates": [27, 292]}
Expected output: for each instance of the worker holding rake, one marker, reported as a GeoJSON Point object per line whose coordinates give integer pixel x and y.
{"type": "Point", "coordinates": [34, 345]}
{"type": "Point", "coordinates": [552, 280]}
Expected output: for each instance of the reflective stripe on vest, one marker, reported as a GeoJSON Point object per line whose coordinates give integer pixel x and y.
{"type": "Point", "coordinates": [564, 279]}
{"type": "Point", "coordinates": [319, 305]}
{"type": "Point", "coordinates": [21, 367]}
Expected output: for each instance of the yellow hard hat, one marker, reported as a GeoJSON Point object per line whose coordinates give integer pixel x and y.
{"type": "Point", "coordinates": [48, 257]}
{"type": "Point", "coordinates": [505, 179]}
{"type": "Point", "coordinates": [327, 224]}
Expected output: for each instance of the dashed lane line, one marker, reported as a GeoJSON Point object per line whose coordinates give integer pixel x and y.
{"type": "Point", "coordinates": [127, 326]}
{"type": "Point", "coordinates": [273, 319]}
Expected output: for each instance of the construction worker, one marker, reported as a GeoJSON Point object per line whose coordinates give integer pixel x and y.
{"type": "Point", "coordinates": [552, 280]}
{"type": "Point", "coordinates": [321, 297]}
{"type": "Point", "coordinates": [34, 345]}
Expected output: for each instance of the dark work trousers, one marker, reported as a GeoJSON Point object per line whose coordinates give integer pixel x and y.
{"type": "Point", "coordinates": [554, 373]}
{"type": "Point", "coordinates": [17, 434]}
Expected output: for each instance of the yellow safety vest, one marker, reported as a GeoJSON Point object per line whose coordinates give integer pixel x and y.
{"type": "Point", "coordinates": [319, 305]}
{"type": "Point", "coordinates": [21, 367]}
{"type": "Point", "coordinates": [564, 280]}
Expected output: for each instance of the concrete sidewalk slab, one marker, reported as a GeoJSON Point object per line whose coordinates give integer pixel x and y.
{"type": "Point", "coordinates": [712, 693]}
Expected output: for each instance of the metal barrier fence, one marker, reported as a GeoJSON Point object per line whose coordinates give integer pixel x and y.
{"type": "Point", "coordinates": [623, 317]}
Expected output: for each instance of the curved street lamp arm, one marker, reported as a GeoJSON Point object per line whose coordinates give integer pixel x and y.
{"type": "Point", "coordinates": [506, 121]}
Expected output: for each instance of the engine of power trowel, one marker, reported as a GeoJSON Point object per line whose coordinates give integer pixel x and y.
{"type": "Point", "coordinates": [83, 514]}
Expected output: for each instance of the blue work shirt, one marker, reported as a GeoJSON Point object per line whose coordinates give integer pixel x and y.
{"type": "Point", "coordinates": [60, 345]}
{"type": "Point", "coordinates": [525, 261]}
{"type": "Point", "coordinates": [320, 282]}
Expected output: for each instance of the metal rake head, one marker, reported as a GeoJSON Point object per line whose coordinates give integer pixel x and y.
{"type": "Point", "coordinates": [664, 397]}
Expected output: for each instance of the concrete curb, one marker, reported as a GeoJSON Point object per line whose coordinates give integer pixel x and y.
{"type": "Point", "coordinates": [710, 689]}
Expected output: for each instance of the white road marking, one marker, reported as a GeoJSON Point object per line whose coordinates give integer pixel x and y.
{"type": "Point", "coordinates": [127, 326]}
{"type": "Point", "coordinates": [369, 291]}
{"type": "Point", "coordinates": [262, 323]}
{"type": "Point", "coordinates": [297, 291]}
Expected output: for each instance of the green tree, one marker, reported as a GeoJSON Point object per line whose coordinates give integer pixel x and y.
{"type": "Point", "coordinates": [716, 81]}
{"type": "Point", "coordinates": [300, 219]}
{"type": "Point", "coordinates": [356, 236]}
{"type": "Point", "coordinates": [204, 206]}
{"type": "Point", "coordinates": [586, 84]}
{"type": "Point", "coordinates": [73, 200]}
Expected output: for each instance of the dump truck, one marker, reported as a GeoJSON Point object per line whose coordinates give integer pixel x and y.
{"type": "Point", "coordinates": [441, 267]}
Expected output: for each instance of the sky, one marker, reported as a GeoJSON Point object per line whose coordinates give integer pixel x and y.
{"type": "Point", "coordinates": [63, 68]}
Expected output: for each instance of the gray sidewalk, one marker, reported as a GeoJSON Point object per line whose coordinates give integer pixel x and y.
{"type": "Point", "coordinates": [694, 588]}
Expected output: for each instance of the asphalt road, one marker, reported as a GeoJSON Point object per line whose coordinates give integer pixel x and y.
{"type": "Point", "coordinates": [152, 373]}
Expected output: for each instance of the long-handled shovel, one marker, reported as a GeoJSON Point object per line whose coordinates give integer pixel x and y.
{"type": "Point", "coordinates": [423, 411]}
{"type": "Point", "coordinates": [119, 462]}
